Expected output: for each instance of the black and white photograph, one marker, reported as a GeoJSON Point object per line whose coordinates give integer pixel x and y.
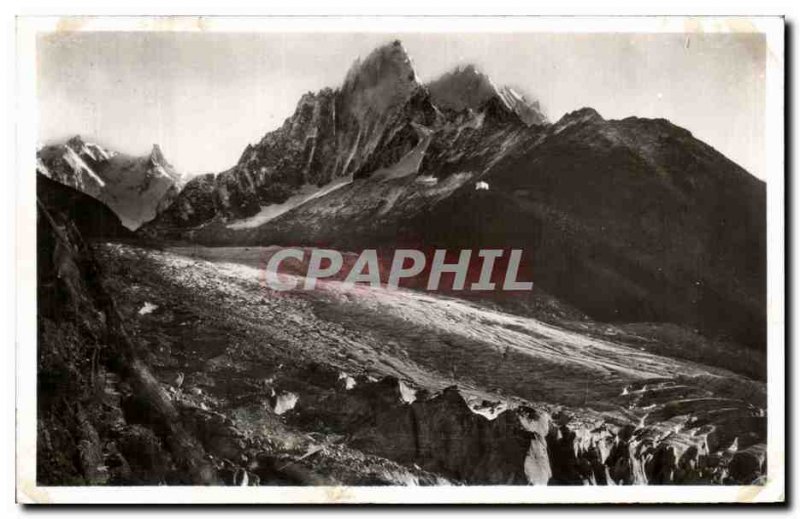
{"type": "Point", "coordinates": [448, 260]}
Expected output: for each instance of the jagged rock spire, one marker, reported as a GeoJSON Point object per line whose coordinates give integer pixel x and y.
{"type": "Point", "coordinates": [384, 79]}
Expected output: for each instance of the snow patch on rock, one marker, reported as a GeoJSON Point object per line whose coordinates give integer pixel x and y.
{"type": "Point", "coordinates": [77, 163]}
{"type": "Point", "coordinates": [272, 211]}
{"type": "Point", "coordinates": [489, 410]}
{"type": "Point", "coordinates": [407, 393]}
{"type": "Point", "coordinates": [285, 402]}
{"type": "Point", "coordinates": [147, 308]}
{"type": "Point", "coordinates": [348, 381]}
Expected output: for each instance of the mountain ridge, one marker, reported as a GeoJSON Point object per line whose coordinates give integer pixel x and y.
{"type": "Point", "coordinates": [135, 188]}
{"type": "Point", "coordinates": [467, 88]}
{"type": "Point", "coordinates": [369, 122]}
{"type": "Point", "coordinates": [627, 220]}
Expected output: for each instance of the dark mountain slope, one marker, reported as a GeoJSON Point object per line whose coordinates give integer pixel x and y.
{"type": "Point", "coordinates": [631, 220]}
{"type": "Point", "coordinates": [90, 216]}
{"type": "Point", "coordinates": [102, 418]}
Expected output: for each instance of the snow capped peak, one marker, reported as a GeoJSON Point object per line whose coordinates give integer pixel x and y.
{"type": "Point", "coordinates": [529, 111]}
{"type": "Point", "coordinates": [88, 150]}
{"type": "Point", "coordinates": [97, 153]}
{"type": "Point", "coordinates": [82, 170]}
{"type": "Point", "coordinates": [511, 96]}
{"type": "Point", "coordinates": [161, 167]}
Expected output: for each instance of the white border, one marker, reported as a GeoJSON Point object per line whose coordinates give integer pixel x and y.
{"type": "Point", "coordinates": [28, 492]}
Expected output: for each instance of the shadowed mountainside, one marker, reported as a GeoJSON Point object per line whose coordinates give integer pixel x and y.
{"type": "Point", "coordinates": [630, 220]}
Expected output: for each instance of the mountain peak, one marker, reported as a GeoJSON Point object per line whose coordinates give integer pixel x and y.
{"type": "Point", "coordinates": [469, 70]}
{"type": "Point", "coordinates": [582, 115]}
{"type": "Point", "coordinates": [156, 155]}
{"type": "Point", "coordinates": [76, 142]}
{"type": "Point", "coordinates": [463, 88]}
{"type": "Point", "coordinates": [162, 166]}
{"type": "Point", "coordinates": [385, 78]}
{"type": "Point", "coordinates": [467, 88]}
{"type": "Point", "coordinates": [387, 62]}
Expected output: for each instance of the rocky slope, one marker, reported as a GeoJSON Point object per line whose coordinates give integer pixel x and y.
{"type": "Point", "coordinates": [102, 418]}
{"type": "Point", "coordinates": [379, 116]}
{"type": "Point", "coordinates": [371, 120]}
{"type": "Point", "coordinates": [629, 221]}
{"type": "Point", "coordinates": [91, 218]}
{"type": "Point", "coordinates": [180, 367]}
{"type": "Point", "coordinates": [135, 188]}
{"type": "Point", "coordinates": [105, 416]}
{"type": "Point", "coordinates": [373, 386]}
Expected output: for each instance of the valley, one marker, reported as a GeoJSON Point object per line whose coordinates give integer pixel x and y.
{"type": "Point", "coordinates": [243, 348]}
{"type": "Point", "coordinates": [637, 357]}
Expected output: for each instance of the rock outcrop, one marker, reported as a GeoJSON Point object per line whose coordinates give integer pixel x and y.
{"type": "Point", "coordinates": [445, 434]}
{"type": "Point", "coordinates": [102, 417]}
{"type": "Point", "coordinates": [295, 388]}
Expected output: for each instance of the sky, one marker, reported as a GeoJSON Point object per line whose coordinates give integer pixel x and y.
{"type": "Point", "coordinates": [204, 96]}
